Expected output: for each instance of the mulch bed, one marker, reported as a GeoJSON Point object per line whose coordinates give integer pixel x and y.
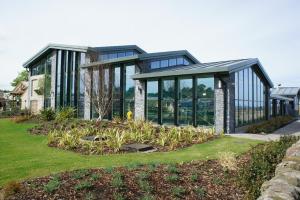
{"type": "Point", "coordinates": [211, 179]}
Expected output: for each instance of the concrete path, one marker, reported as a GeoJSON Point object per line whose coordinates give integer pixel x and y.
{"type": "Point", "coordinates": [290, 129]}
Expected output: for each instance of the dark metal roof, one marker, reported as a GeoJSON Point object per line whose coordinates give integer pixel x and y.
{"type": "Point", "coordinates": [212, 67]}
{"type": "Point", "coordinates": [50, 46]}
{"type": "Point", "coordinates": [279, 97]}
{"type": "Point", "coordinates": [159, 55]}
{"type": "Point", "coordinates": [286, 91]}
{"type": "Point", "coordinates": [110, 61]}
{"type": "Point", "coordinates": [119, 48]}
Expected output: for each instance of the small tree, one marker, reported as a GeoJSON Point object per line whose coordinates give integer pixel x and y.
{"type": "Point", "coordinates": [22, 76]}
{"type": "Point", "coordinates": [98, 90]}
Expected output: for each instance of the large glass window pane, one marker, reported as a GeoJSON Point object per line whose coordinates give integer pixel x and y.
{"type": "Point", "coordinates": [168, 101]}
{"type": "Point", "coordinates": [186, 62]}
{"type": "Point", "coordinates": [205, 101]}
{"type": "Point", "coordinates": [241, 97]}
{"type": "Point", "coordinates": [180, 61]}
{"type": "Point", "coordinates": [152, 101]}
{"type": "Point", "coordinates": [155, 65]}
{"type": "Point", "coordinates": [164, 63]}
{"type": "Point", "coordinates": [172, 62]}
{"type": "Point", "coordinates": [129, 89]}
{"type": "Point", "coordinates": [185, 107]}
{"type": "Point", "coordinates": [96, 90]}
{"type": "Point", "coordinates": [121, 54]}
{"type": "Point", "coordinates": [129, 53]}
{"type": "Point", "coordinates": [116, 92]}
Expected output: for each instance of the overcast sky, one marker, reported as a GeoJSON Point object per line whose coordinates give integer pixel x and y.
{"type": "Point", "coordinates": [210, 30]}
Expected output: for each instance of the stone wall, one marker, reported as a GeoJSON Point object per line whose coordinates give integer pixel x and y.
{"type": "Point", "coordinates": [286, 183]}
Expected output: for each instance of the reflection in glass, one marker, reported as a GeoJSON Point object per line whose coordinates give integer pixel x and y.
{"type": "Point", "coordinates": [152, 101]}
{"type": "Point", "coordinates": [168, 101]}
{"type": "Point", "coordinates": [129, 89]}
{"type": "Point", "coordinates": [205, 101]}
{"type": "Point", "coordinates": [116, 92]}
{"type": "Point", "coordinates": [185, 107]}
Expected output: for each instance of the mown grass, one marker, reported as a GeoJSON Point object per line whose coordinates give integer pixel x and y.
{"type": "Point", "coordinates": [25, 156]}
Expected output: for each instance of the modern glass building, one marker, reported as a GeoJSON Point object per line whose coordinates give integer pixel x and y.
{"type": "Point", "coordinates": [170, 88]}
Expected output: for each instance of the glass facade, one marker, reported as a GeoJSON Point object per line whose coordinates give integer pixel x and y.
{"type": "Point", "coordinates": [47, 82]}
{"type": "Point", "coordinates": [129, 89]}
{"type": "Point", "coordinates": [152, 101]}
{"type": "Point", "coordinates": [168, 102]}
{"type": "Point", "coordinates": [169, 62]}
{"type": "Point", "coordinates": [181, 101]}
{"type": "Point", "coordinates": [185, 108]}
{"type": "Point", "coordinates": [205, 101]}
{"type": "Point", "coordinates": [116, 102]}
{"type": "Point", "coordinates": [68, 80]}
{"type": "Point", "coordinates": [114, 55]}
{"type": "Point", "coordinates": [249, 98]}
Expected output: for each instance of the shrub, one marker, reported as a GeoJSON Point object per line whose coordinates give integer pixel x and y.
{"type": "Point", "coordinates": [172, 178]}
{"type": "Point", "coordinates": [117, 180]}
{"type": "Point", "coordinates": [83, 185]}
{"type": "Point", "coordinates": [262, 164]}
{"type": "Point", "coordinates": [227, 160]}
{"type": "Point", "coordinates": [11, 188]}
{"type": "Point", "coordinates": [200, 192]}
{"type": "Point", "coordinates": [270, 125]}
{"type": "Point", "coordinates": [109, 170]}
{"type": "Point", "coordinates": [65, 113]}
{"type": "Point", "coordinates": [95, 177]}
{"type": "Point", "coordinates": [147, 197]}
{"type": "Point", "coordinates": [52, 185]}
{"type": "Point", "coordinates": [79, 174]}
{"type": "Point", "coordinates": [194, 177]}
{"type": "Point", "coordinates": [173, 169]}
{"type": "Point", "coordinates": [178, 191]}
{"type": "Point", "coordinates": [48, 114]}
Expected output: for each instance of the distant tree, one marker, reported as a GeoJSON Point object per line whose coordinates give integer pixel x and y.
{"type": "Point", "coordinates": [22, 76]}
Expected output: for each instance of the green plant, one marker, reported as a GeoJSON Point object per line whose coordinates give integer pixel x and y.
{"type": "Point", "coordinates": [95, 177]}
{"type": "Point", "coordinates": [147, 197]}
{"type": "Point", "coordinates": [270, 126]}
{"type": "Point", "coordinates": [262, 164]}
{"type": "Point", "coordinates": [52, 185]}
{"type": "Point", "coordinates": [83, 185]}
{"type": "Point", "coordinates": [65, 113]}
{"type": "Point", "coordinates": [118, 196]}
{"type": "Point", "coordinates": [79, 174]}
{"type": "Point", "coordinates": [89, 196]}
{"type": "Point", "coordinates": [200, 192]}
{"type": "Point", "coordinates": [173, 169]}
{"type": "Point", "coordinates": [117, 180]}
{"type": "Point", "coordinates": [227, 160]}
{"type": "Point", "coordinates": [172, 178]}
{"type": "Point", "coordinates": [109, 170]}
{"type": "Point", "coordinates": [116, 139]}
{"type": "Point", "coordinates": [11, 188]}
{"type": "Point", "coordinates": [47, 114]}
{"type": "Point", "coordinates": [194, 177]}
{"type": "Point", "coordinates": [178, 191]}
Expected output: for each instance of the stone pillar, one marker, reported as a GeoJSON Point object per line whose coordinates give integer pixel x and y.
{"type": "Point", "coordinates": [219, 107]}
{"type": "Point", "coordinates": [139, 100]}
{"type": "Point", "coordinates": [87, 84]}
{"type": "Point", "coordinates": [53, 78]}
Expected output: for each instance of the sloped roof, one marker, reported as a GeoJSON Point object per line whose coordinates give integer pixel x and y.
{"type": "Point", "coordinates": [50, 46]}
{"type": "Point", "coordinates": [279, 97]}
{"type": "Point", "coordinates": [212, 67]}
{"type": "Point", "coordinates": [160, 55]}
{"type": "Point", "coordinates": [120, 48]}
{"type": "Point", "coordinates": [286, 91]}
{"type": "Point", "coordinates": [20, 88]}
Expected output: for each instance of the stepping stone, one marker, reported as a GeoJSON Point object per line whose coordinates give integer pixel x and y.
{"type": "Point", "coordinates": [93, 138]}
{"type": "Point", "coordinates": [137, 147]}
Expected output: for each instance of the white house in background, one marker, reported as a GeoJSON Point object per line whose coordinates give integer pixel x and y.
{"type": "Point", "coordinates": [20, 95]}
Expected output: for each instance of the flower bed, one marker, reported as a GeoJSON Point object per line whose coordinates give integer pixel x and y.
{"type": "Point", "coordinates": [194, 180]}
{"type": "Point", "coordinates": [113, 135]}
{"type": "Point", "coordinates": [270, 125]}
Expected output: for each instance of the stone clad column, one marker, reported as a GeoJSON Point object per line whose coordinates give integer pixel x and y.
{"type": "Point", "coordinates": [139, 98]}
{"type": "Point", "coordinates": [219, 107]}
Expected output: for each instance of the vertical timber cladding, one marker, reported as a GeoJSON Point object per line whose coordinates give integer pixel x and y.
{"type": "Point", "coordinates": [67, 79]}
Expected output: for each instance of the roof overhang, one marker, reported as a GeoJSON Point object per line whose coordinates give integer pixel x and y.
{"type": "Point", "coordinates": [111, 61]}
{"type": "Point", "coordinates": [279, 97]}
{"type": "Point", "coordinates": [51, 46]}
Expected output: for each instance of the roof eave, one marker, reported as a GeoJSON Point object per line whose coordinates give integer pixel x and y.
{"type": "Point", "coordinates": [56, 46]}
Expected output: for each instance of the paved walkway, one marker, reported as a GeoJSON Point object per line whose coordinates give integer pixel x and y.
{"type": "Point", "coordinates": [291, 129]}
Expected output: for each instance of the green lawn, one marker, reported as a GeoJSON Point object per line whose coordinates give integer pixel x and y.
{"type": "Point", "coordinates": [23, 155]}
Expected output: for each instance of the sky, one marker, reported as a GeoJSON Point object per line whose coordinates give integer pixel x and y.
{"type": "Point", "coordinates": [212, 30]}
